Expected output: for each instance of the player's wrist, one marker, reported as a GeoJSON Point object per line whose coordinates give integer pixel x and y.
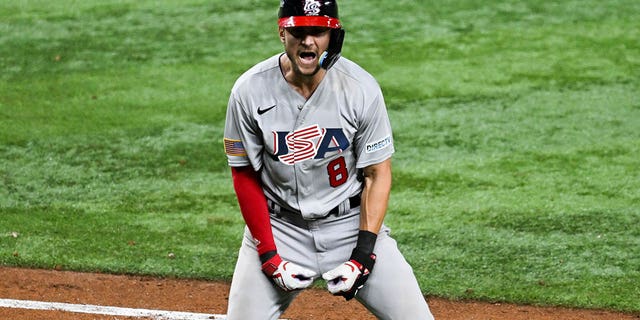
{"type": "Point", "coordinates": [363, 252]}
{"type": "Point", "coordinates": [268, 255]}
{"type": "Point", "coordinates": [270, 265]}
{"type": "Point", "coordinates": [363, 260]}
{"type": "Point", "coordinates": [366, 241]}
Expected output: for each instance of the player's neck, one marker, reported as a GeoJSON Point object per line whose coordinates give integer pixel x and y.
{"type": "Point", "coordinates": [304, 84]}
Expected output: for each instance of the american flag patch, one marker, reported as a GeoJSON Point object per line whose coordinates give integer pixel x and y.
{"type": "Point", "coordinates": [234, 148]}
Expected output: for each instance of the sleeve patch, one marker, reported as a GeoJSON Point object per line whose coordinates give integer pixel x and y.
{"type": "Point", "coordinates": [378, 145]}
{"type": "Point", "coordinates": [234, 148]}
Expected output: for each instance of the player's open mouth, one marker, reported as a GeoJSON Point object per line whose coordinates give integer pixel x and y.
{"type": "Point", "coordinates": [307, 56]}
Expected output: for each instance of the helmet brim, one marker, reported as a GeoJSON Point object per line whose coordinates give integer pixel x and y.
{"type": "Point", "coordinates": [309, 21]}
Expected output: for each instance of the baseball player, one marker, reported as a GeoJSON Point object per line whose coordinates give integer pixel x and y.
{"type": "Point", "coordinates": [309, 143]}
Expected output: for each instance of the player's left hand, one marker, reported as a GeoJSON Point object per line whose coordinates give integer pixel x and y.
{"type": "Point", "coordinates": [346, 279]}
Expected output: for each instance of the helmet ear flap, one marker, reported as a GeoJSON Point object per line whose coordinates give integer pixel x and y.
{"type": "Point", "coordinates": [331, 56]}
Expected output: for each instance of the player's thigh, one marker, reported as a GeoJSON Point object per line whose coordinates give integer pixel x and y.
{"type": "Point", "coordinates": [392, 291]}
{"type": "Point", "coordinates": [252, 295]}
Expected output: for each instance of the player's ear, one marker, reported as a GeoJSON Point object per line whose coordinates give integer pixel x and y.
{"type": "Point", "coordinates": [281, 32]}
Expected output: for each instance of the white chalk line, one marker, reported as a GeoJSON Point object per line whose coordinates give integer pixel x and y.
{"type": "Point", "coordinates": [104, 310]}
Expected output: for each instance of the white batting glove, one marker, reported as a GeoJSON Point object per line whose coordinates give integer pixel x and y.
{"type": "Point", "coordinates": [349, 277]}
{"type": "Point", "coordinates": [342, 278]}
{"type": "Point", "coordinates": [287, 275]}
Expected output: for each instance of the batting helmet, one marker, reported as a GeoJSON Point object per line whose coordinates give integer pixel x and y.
{"type": "Point", "coordinates": [308, 13]}
{"type": "Point", "coordinates": [315, 13]}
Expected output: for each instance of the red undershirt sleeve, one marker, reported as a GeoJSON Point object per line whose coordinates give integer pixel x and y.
{"type": "Point", "coordinates": [253, 205]}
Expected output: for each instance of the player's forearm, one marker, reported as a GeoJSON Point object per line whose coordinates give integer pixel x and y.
{"type": "Point", "coordinates": [375, 196]}
{"type": "Point", "coordinates": [253, 205]}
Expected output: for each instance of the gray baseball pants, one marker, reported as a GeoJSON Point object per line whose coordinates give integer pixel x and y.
{"type": "Point", "coordinates": [391, 292]}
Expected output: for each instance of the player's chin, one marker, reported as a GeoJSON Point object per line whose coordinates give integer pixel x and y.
{"type": "Point", "coordinates": [308, 69]}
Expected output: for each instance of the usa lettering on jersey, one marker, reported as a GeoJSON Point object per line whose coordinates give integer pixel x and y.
{"type": "Point", "coordinates": [310, 142]}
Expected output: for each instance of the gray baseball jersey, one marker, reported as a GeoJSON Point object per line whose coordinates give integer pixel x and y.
{"type": "Point", "coordinates": [309, 150]}
{"type": "Point", "coordinates": [309, 153]}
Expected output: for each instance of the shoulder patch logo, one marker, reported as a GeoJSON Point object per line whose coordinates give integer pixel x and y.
{"type": "Point", "coordinates": [378, 145]}
{"type": "Point", "coordinates": [234, 148]}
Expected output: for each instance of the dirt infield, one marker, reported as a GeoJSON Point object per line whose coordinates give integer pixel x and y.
{"type": "Point", "coordinates": [211, 298]}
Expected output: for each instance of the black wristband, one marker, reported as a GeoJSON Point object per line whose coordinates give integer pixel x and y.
{"type": "Point", "coordinates": [267, 255]}
{"type": "Point", "coordinates": [366, 241]}
{"type": "Point", "coordinates": [367, 260]}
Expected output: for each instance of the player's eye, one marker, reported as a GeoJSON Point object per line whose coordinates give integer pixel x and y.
{"type": "Point", "coordinates": [300, 32]}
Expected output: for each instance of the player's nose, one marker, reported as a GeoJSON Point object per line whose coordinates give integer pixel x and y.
{"type": "Point", "coordinates": [308, 40]}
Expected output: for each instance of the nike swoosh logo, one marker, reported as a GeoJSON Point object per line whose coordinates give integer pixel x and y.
{"type": "Point", "coordinates": [262, 111]}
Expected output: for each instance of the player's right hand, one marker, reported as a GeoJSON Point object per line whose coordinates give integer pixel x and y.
{"type": "Point", "coordinates": [286, 274]}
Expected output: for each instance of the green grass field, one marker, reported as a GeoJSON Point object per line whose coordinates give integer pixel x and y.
{"type": "Point", "coordinates": [517, 127]}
